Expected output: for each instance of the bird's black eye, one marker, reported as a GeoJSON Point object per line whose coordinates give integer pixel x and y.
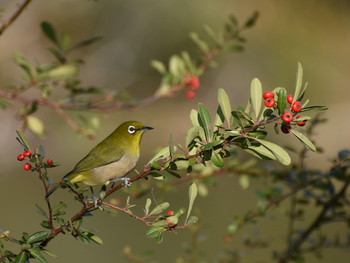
{"type": "Point", "coordinates": [131, 129]}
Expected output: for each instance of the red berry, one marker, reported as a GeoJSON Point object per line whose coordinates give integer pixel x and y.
{"type": "Point", "coordinates": [297, 106]}
{"type": "Point", "coordinates": [290, 99]}
{"type": "Point", "coordinates": [27, 153]}
{"type": "Point", "coordinates": [49, 162]}
{"type": "Point", "coordinates": [270, 102]}
{"type": "Point", "coordinates": [27, 166]}
{"type": "Point", "coordinates": [195, 83]}
{"type": "Point", "coordinates": [191, 94]}
{"type": "Point", "coordinates": [170, 213]}
{"type": "Point", "coordinates": [20, 157]}
{"type": "Point", "coordinates": [285, 128]}
{"type": "Point", "coordinates": [301, 123]}
{"type": "Point", "coordinates": [287, 117]}
{"type": "Point", "coordinates": [268, 94]}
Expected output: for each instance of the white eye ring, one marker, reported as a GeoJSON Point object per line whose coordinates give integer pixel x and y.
{"type": "Point", "coordinates": [131, 129]}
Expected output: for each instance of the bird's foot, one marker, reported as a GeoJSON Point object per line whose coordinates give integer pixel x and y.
{"type": "Point", "coordinates": [125, 180]}
{"type": "Point", "coordinates": [94, 199]}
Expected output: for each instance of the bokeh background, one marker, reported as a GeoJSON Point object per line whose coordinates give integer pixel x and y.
{"type": "Point", "coordinates": [315, 33]}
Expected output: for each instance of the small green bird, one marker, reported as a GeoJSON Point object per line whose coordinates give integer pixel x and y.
{"type": "Point", "coordinates": [109, 160]}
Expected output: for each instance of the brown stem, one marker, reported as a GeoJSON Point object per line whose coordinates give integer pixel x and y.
{"type": "Point", "coordinates": [316, 223]}
{"type": "Point", "coordinates": [14, 16]}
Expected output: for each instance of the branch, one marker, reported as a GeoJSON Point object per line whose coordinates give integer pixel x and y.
{"type": "Point", "coordinates": [317, 222]}
{"type": "Point", "coordinates": [15, 15]}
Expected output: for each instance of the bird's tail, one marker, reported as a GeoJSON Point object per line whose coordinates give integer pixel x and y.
{"type": "Point", "coordinates": [53, 189]}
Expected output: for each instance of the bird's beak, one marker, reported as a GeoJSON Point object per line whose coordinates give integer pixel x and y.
{"type": "Point", "coordinates": [146, 128]}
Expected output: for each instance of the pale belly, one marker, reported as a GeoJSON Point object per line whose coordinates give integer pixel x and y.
{"type": "Point", "coordinates": [103, 174]}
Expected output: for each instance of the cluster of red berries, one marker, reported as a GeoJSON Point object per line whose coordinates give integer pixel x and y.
{"type": "Point", "coordinates": [192, 83]}
{"type": "Point", "coordinates": [287, 117]}
{"type": "Point", "coordinates": [28, 154]}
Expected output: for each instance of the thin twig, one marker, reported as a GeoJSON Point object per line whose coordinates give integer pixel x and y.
{"type": "Point", "coordinates": [14, 16]}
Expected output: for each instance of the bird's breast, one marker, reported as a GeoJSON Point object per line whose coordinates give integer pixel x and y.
{"type": "Point", "coordinates": [120, 168]}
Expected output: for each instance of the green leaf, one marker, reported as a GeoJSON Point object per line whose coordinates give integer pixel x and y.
{"type": "Point", "coordinates": [86, 42]}
{"type": "Point", "coordinates": [36, 126]}
{"type": "Point", "coordinates": [210, 32]}
{"type": "Point", "coordinates": [38, 236]}
{"type": "Point", "coordinates": [4, 104]}
{"type": "Point", "coordinates": [189, 63]}
{"type": "Point", "coordinates": [260, 152]}
{"type": "Point", "coordinates": [281, 100]}
{"type": "Point", "coordinates": [65, 42]}
{"type": "Point", "coordinates": [159, 66]}
{"type": "Point", "coordinates": [225, 105]}
{"type": "Point", "coordinates": [155, 231]}
{"type": "Point", "coordinates": [61, 72]}
{"type": "Point", "coordinates": [50, 32]}
{"type": "Point", "coordinates": [22, 138]}
{"type": "Point", "coordinates": [192, 193]}
{"type": "Point", "coordinates": [217, 159]}
{"type": "Point", "coordinates": [306, 141]}
{"type": "Point", "coordinates": [171, 147]}
{"type": "Point", "coordinates": [281, 154]}
{"type": "Point", "coordinates": [243, 118]}
{"type": "Point", "coordinates": [256, 96]}
{"type": "Point", "coordinates": [176, 66]}
{"type": "Point", "coordinates": [96, 239]}
{"type": "Point", "coordinates": [204, 119]}
{"type": "Point", "coordinates": [219, 118]}
{"type": "Point", "coordinates": [244, 181]}
{"type": "Point", "coordinates": [194, 117]}
{"type": "Point", "coordinates": [161, 154]}
{"type": "Point", "coordinates": [35, 252]}
{"type": "Point", "coordinates": [314, 108]}
{"type": "Point", "coordinates": [41, 211]}
{"type": "Point", "coordinates": [192, 220]}
{"type": "Point", "coordinates": [298, 82]}
{"type": "Point", "coordinates": [204, 114]}
{"type": "Point", "coordinates": [50, 253]}
{"type": "Point", "coordinates": [161, 223]}
{"type": "Point", "coordinates": [191, 134]}
{"type": "Point", "coordinates": [178, 168]}
{"type": "Point", "coordinates": [200, 43]}
{"type": "Point", "coordinates": [21, 61]}
{"type": "Point", "coordinates": [160, 238]}
{"type": "Point", "coordinates": [159, 208]}
{"type": "Point", "coordinates": [21, 257]}
{"type": "Point", "coordinates": [148, 205]}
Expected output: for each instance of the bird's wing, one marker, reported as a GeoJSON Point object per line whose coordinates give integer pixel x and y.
{"type": "Point", "coordinates": [100, 155]}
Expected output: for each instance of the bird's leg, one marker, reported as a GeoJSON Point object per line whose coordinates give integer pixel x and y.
{"type": "Point", "coordinates": [125, 180]}
{"type": "Point", "coordinates": [93, 197]}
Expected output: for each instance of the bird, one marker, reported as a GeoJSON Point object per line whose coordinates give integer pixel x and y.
{"type": "Point", "coordinates": [110, 160]}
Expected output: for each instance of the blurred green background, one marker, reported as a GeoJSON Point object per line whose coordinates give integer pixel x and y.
{"type": "Point", "coordinates": [316, 33]}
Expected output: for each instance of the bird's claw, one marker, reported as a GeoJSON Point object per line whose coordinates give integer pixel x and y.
{"type": "Point", "coordinates": [125, 180]}
{"type": "Point", "coordinates": [94, 199]}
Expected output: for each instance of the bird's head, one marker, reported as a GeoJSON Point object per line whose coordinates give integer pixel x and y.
{"type": "Point", "coordinates": [130, 132]}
